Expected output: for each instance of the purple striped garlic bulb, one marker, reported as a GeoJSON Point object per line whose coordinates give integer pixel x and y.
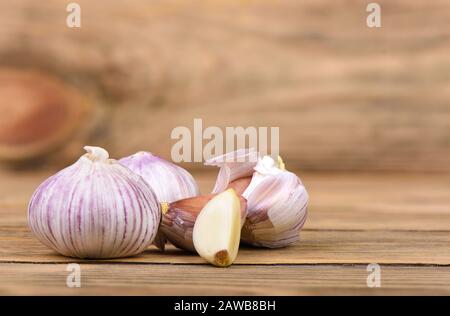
{"type": "Point", "coordinates": [170, 183]}
{"type": "Point", "coordinates": [276, 198]}
{"type": "Point", "coordinates": [95, 208]}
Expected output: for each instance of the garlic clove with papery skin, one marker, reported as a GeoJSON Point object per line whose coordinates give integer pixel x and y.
{"type": "Point", "coordinates": [95, 208]}
{"type": "Point", "coordinates": [233, 166]}
{"type": "Point", "coordinates": [277, 210]}
{"type": "Point", "coordinates": [276, 201]}
{"type": "Point", "coordinates": [179, 217]}
{"type": "Point", "coordinates": [240, 185]}
{"type": "Point", "coordinates": [217, 230]}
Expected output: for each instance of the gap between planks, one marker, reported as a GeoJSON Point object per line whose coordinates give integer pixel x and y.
{"type": "Point", "coordinates": [331, 264]}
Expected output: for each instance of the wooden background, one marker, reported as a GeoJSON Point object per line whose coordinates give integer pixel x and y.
{"type": "Point", "coordinates": [345, 96]}
{"type": "Point", "coordinates": [364, 117]}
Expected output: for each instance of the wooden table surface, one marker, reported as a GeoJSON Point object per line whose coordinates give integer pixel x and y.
{"type": "Point", "coordinates": [399, 221]}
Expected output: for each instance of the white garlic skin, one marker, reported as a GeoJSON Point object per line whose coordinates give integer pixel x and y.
{"type": "Point", "coordinates": [95, 208]}
{"type": "Point", "coordinates": [277, 200]}
{"type": "Point", "coordinates": [277, 210]}
{"type": "Point", "coordinates": [169, 181]}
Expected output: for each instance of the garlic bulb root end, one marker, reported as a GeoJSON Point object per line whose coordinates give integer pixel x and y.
{"type": "Point", "coordinates": [165, 207]}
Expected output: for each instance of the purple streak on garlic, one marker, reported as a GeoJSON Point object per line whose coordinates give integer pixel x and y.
{"type": "Point", "coordinates": [169, 181]}
{"type": "Point", "coordinates": [276, 202]}
{"type": "Point", "coordinates": [95, 208]}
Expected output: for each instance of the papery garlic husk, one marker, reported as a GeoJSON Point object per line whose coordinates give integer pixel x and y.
{"type": "Point", "coordinates": [95, 208]}
{"type": "Point", "coordinates": [169, 181]}
{"type": "Point", "coordinates": [276, 201]}
{"type": "Point", "coordinates": [233, 166]}
{"type": "Point", "coordinates": [179, 217]}
{"type": "Point", "coordinates": [217, 230]}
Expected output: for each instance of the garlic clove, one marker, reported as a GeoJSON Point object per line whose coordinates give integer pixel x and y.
{"type": "Point", "coordinates": [178, 221]}
{"type": "Point", "coordinates": [277, 210]}
{"type": "Point", "coordinates": [233, 166]}
{"type": "Point", "coordinates": [240, 185]}
{"type": "Point", "coordinates": [217, 230]}
{"type": "Point", "coordinates": [179, 217]}
{"type": "Point", "coordinates": [160, 241]}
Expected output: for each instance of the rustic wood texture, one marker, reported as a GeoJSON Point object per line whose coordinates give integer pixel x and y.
{"type": "Point", "coordinates": [344, 95]}
{"type": "Point", "coordinates": [113, 279]}
{"type": "Point", "coordinates": [343, 234]}
{"type": "Point", "coordinates": [321, 246]}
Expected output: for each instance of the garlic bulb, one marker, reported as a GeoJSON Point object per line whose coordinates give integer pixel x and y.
{"type": "Point", "coordinates": [169, 182]}
{"type": "Point", "coordinates": [179, 217]}
{"type": "Point", "coordinates": [276, 199]}
{"type": "Point", "coordinates": [95, 208]}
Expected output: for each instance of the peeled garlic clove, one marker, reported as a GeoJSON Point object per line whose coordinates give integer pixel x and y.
{"type": "Point", "coordinates": [95, 208]}
{"type": "Point", "coordinates": [277, 209]}
{"type": "Point", "coordinates": [234, 165]}
{"type": "Point", "coordinates": [179, 217]}
{"type": "Point", "coordinates": [217, 230]}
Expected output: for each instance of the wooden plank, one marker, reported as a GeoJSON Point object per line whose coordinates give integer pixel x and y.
{"type": "Point", "coordinates": [325, 247]}
{"type": "Point", "coordinates": [344, 95]}
{"type": "Point", "coordinates": [386, 201]}
{"type": "Point", "coordinates": [139, 279]}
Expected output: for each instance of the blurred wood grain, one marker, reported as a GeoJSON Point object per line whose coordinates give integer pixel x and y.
{"type": "Point", "coordinates": [344, 95]}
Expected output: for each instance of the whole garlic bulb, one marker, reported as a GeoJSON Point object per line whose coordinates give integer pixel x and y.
{"type": "Point", "coordinates": [95, 208]}
{"type": "Point", "coordinates": [276, 199]}
{"type": "Point", "coordinates": [169, 181]}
